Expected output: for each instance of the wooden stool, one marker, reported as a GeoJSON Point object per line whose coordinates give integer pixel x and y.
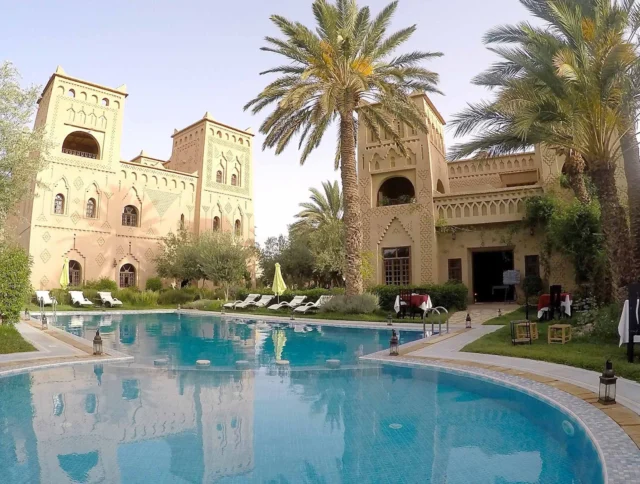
{"type": "Point", "coordinates": [559, 333]}
{"type": "Point", "coordinates": [523, 332]}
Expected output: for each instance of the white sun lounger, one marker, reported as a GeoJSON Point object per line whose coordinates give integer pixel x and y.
{"type": "Point", "coordinates": [44, 298]}
{"type": "Point", "coordinates": [78, 299]}
{"type": "Point", "coordinates": [108, 300]}
{"type": "Point", "coordinates": [248, 299]}
{"type": "Point", "coordinates": [312, 306]}
{"type": "Point", "coordinates": [261, 303]}
{"type": "Point", "coordinates": [295, 302]}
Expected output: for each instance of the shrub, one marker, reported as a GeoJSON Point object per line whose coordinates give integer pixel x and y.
{"type": "Point", "coordinates": [61, 295]}
{"type": "Point", "coordinates": [364, 304]}
{"type": "Point", "coordinates": [135, 297]}
{"type": "Point", "coordinates": [603, 322]}
{"type": "Point", "coordinates": [102, 284]}
{"type": "Point", "coordinates": [184, 295]}
{"type": "Point", "coordinates": [199, 304]}
{"type": "Point", "coordinates": [153, 284]}
{"type": "Point", "coordinates": [449, 295]}
{"type": "Point", "coordinates": [15, 288]}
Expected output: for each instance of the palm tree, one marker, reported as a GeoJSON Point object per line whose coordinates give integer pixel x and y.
{"type": "Point", "coordinates": [565, 85]}
{"type": "Point", "coordinates": [324, 207]}
{"type": "Point", "coordinates": [342, 68]}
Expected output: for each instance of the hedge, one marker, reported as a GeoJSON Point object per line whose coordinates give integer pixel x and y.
{"type": "Point", "coordinates": [449, 295]}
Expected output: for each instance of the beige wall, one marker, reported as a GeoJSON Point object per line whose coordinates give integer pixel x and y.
{"type": "Point", "coordinates": [163, 193]}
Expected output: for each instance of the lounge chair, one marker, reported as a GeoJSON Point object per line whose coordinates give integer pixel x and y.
{"type": "Point", "coordinates": [44, 298]}
{"type": "Point", "coordinates": [108, 300]}
{"type": "Point", "coordinates": [78, 299]}
{"type": "Point", "coordinates": [295, 302]}
{"type": "Point", "coordinates": [261, 303]}
{"type": "Point", "coordinates": [312, 306]}
{"type": "Point", "coordinates": [249, 298]}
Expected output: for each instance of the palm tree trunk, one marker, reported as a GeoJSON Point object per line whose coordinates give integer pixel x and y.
{"type": "Point", "coordinates": [631, 155]}
{"type": "Point", "coordinates": [575, 174]}
{"type": "Point", "coordinates": [616, 231]}
{"type": "Point", "coordinates": [352, 221]}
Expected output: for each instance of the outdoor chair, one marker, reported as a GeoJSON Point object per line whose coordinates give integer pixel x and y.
{"type": "Point", "coordinates": [248, 299]}
{"type": "Point", "coordinates": [405, 302]}
{"type": "Point", "coordinates": [295, 302]}
{"type": "Point", "coordinates": [555, 301]}
{"type": "Point", "coordinates": [108, 300]}
{"type": "Point", "coordinates": [78, 299]}
{"type": "Point", "coordinates": [313, 306]}
{"type": "Point", "coordinates": [261, 303]}
{"type": "Point", "coordinates": [44, 298]}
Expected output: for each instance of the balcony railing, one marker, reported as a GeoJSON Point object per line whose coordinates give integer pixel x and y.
{"type": "Point", "coordinates": [83, 154]}
{"type": "Point", "coordinates": [506, 205]}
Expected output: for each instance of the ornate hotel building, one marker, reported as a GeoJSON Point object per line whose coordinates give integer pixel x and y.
{"type": "Point", "coordinates": [106, 214]}
{"type": "Point", "coordinates": [426, 220]}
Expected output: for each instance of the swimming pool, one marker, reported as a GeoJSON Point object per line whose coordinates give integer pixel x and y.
{"type": "Point", "coordinates": [136, 423]}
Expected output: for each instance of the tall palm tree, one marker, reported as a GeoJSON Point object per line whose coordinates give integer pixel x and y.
{"type": "Point", "coordinates": [343, 67]}
{"type": "Point", "coordinates": [324, 207]}
{"type": "Point", "coordinates": [566, 85]}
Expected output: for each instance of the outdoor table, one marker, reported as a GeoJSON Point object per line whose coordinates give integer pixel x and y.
{"type": "Point", "coordinates": [545, 300]}
{"type": "Point", "coordinates": [421, 301]}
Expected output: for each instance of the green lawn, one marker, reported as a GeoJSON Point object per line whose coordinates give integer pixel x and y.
{"type": "Point", "coordinates": [11, 341]}
{"type": "Point", "coordinates": [581, 352]}
{"type": "Point", "coordinates": [518, 314]}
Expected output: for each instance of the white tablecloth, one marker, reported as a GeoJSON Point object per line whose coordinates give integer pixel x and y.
{"type": "Point", "coordinates": [623, 325]}
{"type": "Point", "coordinates": [564, 306]}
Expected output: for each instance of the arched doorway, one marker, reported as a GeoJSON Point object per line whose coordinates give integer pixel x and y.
{"type": "Point", "coordinates": [397, 190]}
{"type": "Point", "coordinates": [81, 144]}
{"type": "Point", "coordinates": [75, 273]}
{"type": "Point", "coordinates": [127, 276]}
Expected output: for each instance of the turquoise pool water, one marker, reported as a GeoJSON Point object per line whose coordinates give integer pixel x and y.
{"type": "Point", "coordinates": [305, 424]}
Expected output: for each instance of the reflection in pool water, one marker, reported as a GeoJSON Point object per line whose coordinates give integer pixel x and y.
{"type": "Point", "coordinates": [185, 339]}
{"type": "Point", "coordinates": [134, 423]}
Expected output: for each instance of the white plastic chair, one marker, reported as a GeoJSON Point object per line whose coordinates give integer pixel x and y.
{"type": "Point", "coordinates": [248, 299]}
{"type": "Point", "coordinates": [108, 300]}
{"type": "Point", "coordinates": [78, 299]}
{"type": "Point", "coordinates": [312, 306]}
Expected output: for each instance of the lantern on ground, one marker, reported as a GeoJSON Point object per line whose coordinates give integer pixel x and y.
{"type": "Point", "coordinates": [607, 393]}
{"type": "Point", "coordinates": [393, 344]}
{"type": "Point", "coordinates": [499, 312]}
{"type": "Point", "coordinates": [389, 319]}
{"type": "Point", "coordinates": [468, 321]}
{"type": "Point", "coordinates": [97, 343]}
{"type": "Point", "coordinates": [45, 325]}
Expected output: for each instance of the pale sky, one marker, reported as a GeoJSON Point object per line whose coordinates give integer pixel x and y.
{"type": "Point", "coordinates": [180, 59]}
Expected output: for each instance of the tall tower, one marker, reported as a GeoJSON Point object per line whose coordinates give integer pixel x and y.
{"type": "Point", "coordinates": [83, 123]}
{"type": "Point", "coordinates": [396, 196]}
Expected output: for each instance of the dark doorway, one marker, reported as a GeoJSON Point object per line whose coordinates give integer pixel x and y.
{"type": "Point", "coordinates": [487, 275]}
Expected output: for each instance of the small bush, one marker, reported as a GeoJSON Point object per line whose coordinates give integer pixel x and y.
{"type": "Point", "coordinates": [601, 323]}
{"type": "Point", "coordinates": [363, 304]}
{"type": "Point", "coordinates": [184, 295]}
{"type": "Point", "coordinates": [200, 304]}
{"type": "Point", "coordinates": [153, 284]}
{"type": "Point", "coordinates": [61, 295]}
{"type": "Point", "coordinates": [102, 284]}
{"type": "Point", "coordinates": [449, 295]}
{"type": "Point", "coordinates": [15, 288]}
{"type": "Point", "coordinates": [135, 297]}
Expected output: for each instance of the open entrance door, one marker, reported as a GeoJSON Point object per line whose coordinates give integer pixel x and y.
{"type": "Point", "coordinates": [488, 267]}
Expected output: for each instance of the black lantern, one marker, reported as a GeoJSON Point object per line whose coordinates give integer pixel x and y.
{"type": "Point", "coordinates": [607, 394]}
{"type": "Point", "coordinates": [390, 319]}
{"type": "Point", "coordinates": [45, 325]}
{"type": "Point", "coordinates": [468, 321]}
{"type": "Point", "coordinates": [499, 312]}
{"type": "Point", "coordinates": [97, 343]}
{"type": "Point", "coordinates": [393, 344]}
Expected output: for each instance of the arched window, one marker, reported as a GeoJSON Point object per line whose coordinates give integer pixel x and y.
{"type": "Point", "coordinates": [71, 93]}
{"type": "Point", "coordinates": [91, 208]}
{"type": "Point", "coordinates": [216, 223]}
{"type": "Point", "coordinates": [219, 176]}
{"type": "Point", "coordinates": [397, 190]}
{"type": "Point", "coordinates": [81, 144]}
{"type": "Point", "coordinates": [238, 228]}
{"type": "Point", "coordinates": [75, 273]}
{"type": "Point", "coordinates": [234, 180]}
{"type": "Point", "coordinates": [182, 222]}
{"type": "Point", "coordinates": [127, 276]}
{"type": "Point", "coordinates": [58, 204]}
{"type": "Point", "coordinates": [130, 216]}
{"type": "Point", "coordinates": [105, 102]}
{"type": "Point", "coordinates": [440, 187]}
